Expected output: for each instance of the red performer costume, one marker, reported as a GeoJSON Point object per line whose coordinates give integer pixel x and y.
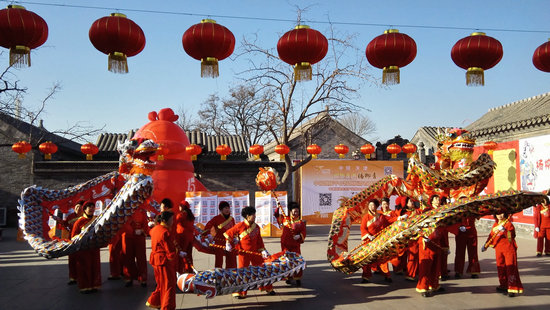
{"type": "Point", "coordinates": [502, 238]}
{"type": "Point", "coordinates": [163, 255]}
{"type": "Point", "coordinates": [429, 252]}
{"type": "Point", "coordinates": [69, 223]}
{"type": "Point", "coordinates": [185, 235]}
{"type": "Point", "coordinates": [542, 229]}
{"type": "Point", "coordinates": [466, 238]}
{"type": "Point", "coordinates": [250, 247]}
{"type": "Point", "coordinates": [371, 224]}
{"type": "Point", "coordinates": [412, 259]}
{"type": "Point", "coordinates": [294, 234]}
{"type": "Point", "coordinates": [133, 249]}
{"type": "Point", "coordinates": [115, 256]}
{"type": "Point", "coordinates": [219, 224]}
{"type": "Point", "coordinates": [88, 261]}
{"type": "Point", "coordinates": [399, 262]}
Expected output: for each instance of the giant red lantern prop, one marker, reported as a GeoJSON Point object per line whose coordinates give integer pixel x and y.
{"type": "Point", "coordinates": [389, 52]}
{"type": "Point", "coordinates": [208, 42]}
{"type": "Point", "coordinates": [314, 150]}
{"type": "Point", "coordinates": [476, 53]}
{"type": "Point", "coordinates": [409, 149]}
{"type": "Point", "coordinates": [367, 149]}
{"type": "Point", "coordinates": [490, 146]}
{"type": "Point", "coordinates": [393, 149]}
{"type": "Point", "coordinates": [267, 179]}
{"type": "Point", "coordinates": [541, 57]}
{"type": "Point", "coordinates": [118, 37]}
{"type": "Point", "coordinates": [302, 47]}
{"type": "Point", "coordinates": [282, 150]}
{"type": "Point", "coordinates": [223, 150]}
{"type": "Point", "coordinates": [21, 31]}
{"type": "Point", "coordinates": [193, 150]}
{"type": "Point", "coordinates": [342, 150]}
{"type": "Point", "coordinates": [256, 150]}
{"type": "Point", "coordinates": [21, 148]}
{"type": "Point", "coordinates": [47, 148]}
{"type": "Point", "coordinates": [90, 150]}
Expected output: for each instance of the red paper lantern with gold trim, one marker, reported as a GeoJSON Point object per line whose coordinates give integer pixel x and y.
{"type": "Point", "coordinates": [301, 48]}
{"type": "Point", "coordinates": [21, 148]}
{"type": "Point", "coordinates": [490, 146]}
{"type": "Point", "coordinates": [223, 150]}
{"type": "Point", "coordinates": [119, 37]}
{"type": "Point", "coordinates": [90, 150]}
{"type": "Point", "coordinates": [194, 150]}
{"type": "Point", "coordinates": [409, 149]}
{"type": "Point", "coordinates": [389, 52]}
{"type": "Point", "coordinates": [282, 150]}
{"type": "Point", "coordinates": [256, 150]}
{"type": "Point", "coordinates": [21, 31]}
{"type": "Point", "coordinates": [208, 42]}
{"type": "Point", "coordinates": [314, 150]}
{"type": "Point", "coordinates": [476, 53]}
{"type": "Point", "coordinates": [541, 57]}
{"type": "Point", "coordinates": [368, 149]}
{"type": "Point", "coordinates": [342, 150]}
{"type": "Point", "coordinates": [393, 149]}
{"type": "Point", "coordinates": [47, 148]}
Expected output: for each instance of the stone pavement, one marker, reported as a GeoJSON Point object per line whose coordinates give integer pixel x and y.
{"type": "Point", "coordinates": [28, 281]}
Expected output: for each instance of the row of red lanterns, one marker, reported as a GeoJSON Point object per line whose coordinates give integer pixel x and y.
{"type": "Point", "coordinates": [48, 148]}
{"type": "Point", "coordinates": [119, 38]}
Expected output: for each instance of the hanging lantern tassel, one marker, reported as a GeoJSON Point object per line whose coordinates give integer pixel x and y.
{"type": "Point", "coordinates": [394, 156]}
{"type": "Point", "coordinates": [367, 156]}
{"type": "Point", "coordinates": [118, 63]}
{"type": "Point", "coordinates": [209, 67]}
{"type": "Point", "coordinates": [475, 77]}
{"type": "Point", "coordinates": [20, 56]}
{"type": "Point", "coordinates": [302, 72]}
{"type": "Point", "coordinates": [390, 75]}
{"type": "Point", "coordinates": [89, 157]}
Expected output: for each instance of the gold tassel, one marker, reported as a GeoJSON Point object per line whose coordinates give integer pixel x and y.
{"type": "Point", "coordinates": [314, 156]}
{"type": "Point", "coordinates": [118, 63]}
{"type": "Point", "coordinates": [48, 156]}
{"type": "Point", "coordinates": [302, 72]}
{"type": "Point", "coordinates": [475, 77]}
{"type": "Point", "coordinates": [20, 56]}
{"type": "Point", "coordinates": [342, 155]}
{"type": "Point", "coordinates": [394, 156]}
{"type": "Point", "coordinates": [256, 156]}
{"type": "Point", "coordinates": [282, 157]}
{"type": "Point", "coordinates": [89, 156]}
{"type": "Point", "coordinates": [390, 75]}
{"type": "Point", "coordinates": [367, 156]}
{"type": "Point", "coordinates": [193, 157]}
{"type": "Point", "coordinates": [209, 67]}
{"type": "Point", "coordinates": [223, 157]}
{"type": "Point", "coordinates": [21, 156]}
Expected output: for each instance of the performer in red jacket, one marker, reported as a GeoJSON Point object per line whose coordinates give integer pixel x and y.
{"type": "Point", "coordinates": [219, 224]}
{"type": "Point", "coordinates": [399, 262]}
{"type": "Point", "coordinates": [250, 245]}
{"type": "Point", "coordinates": [542, 228]}
{"type": "Point", "coordinates": [163, 255]}
{"type": "Point", "coordinates": [133, 249]}
{"type": "Point", "coordinates": [466, 238]}
{"type": "Point", "coordinates": [294, 234]}
{"type": "Point", "coordinates": [502, 238]}
{"type": "Point", "coordinates": [69, 223]}
{"type": "Point", "coordinates": [88, 261]}
{"type": "Point", "coordinates": [185, 235]}
{"type": "Point", "coordinates": [371, 224]}
{"type": "Point", "coordinates": [412, 258]}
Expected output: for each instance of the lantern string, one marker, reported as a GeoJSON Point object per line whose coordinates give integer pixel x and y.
{"type": "Point", "coordinates": [279, 19]}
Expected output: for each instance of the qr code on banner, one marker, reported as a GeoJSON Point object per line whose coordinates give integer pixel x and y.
{"type": "Point", "coordinates": [388, 170]}
{"type": "Point", "coordinates": [325, 199]}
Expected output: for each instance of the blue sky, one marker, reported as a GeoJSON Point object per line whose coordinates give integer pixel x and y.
{"type": "Point", "coordinates": [432, 90]}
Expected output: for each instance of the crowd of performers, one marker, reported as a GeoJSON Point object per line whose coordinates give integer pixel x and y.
{"type": "Point", "coordinates": [425, 261]}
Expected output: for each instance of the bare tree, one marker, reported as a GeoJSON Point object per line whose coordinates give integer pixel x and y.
{"type": "Point", "coordinates": [358, 123]}
{"type": "Point", "coordinates": [185, 120]}
{"type": "Point", "coordinates": [211, 120]}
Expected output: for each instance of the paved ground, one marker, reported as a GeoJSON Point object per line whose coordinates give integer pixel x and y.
{"type": "Point", "coordinates": [28, 281]}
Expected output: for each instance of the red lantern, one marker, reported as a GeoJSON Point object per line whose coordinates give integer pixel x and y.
{"type": "Point", "coordinates": [342, 150]}
{"type": "Point", "coordinates": [490, 146]}
{"type": "Point", "coordinates": [194, 150]}
{"type": "Point", "coordinates": [314, 150]}
{"type": "Point", "coordinates": [90, 150]}
{"type": "Point", "coordinates": [256, 150]}
{"type": "Point", "coordinates": [367, 149]}
{"type": "Point", "coordinates": [409, 149]}
{"type": "Point", "coordinates": [476, 53]}
{"type": "Point", "coordinates": [118, 37]}
{"type": "Point", "coordinates": [282, 150]}
{"type": "Point", "coordinates": [47, 148]}
{"type": "Point", "coordinates": [393, 149]}
{"type": "Point", "coordinates": [21, 31]}
{"type": "Point", "coordinates": [223, 150]}
{"type": "Point", "coordinates": [267, 179]}
{"type": "Point", "coordinates": [541, 57]}
{"type": "Point", "coordinates": [301, 48]}
{"type": "Point", "coordinates": [21, 148]}
{"type": "Point", "coordinates": [208, 42]}
{"type": "Point", "coordinates": [390, 51]}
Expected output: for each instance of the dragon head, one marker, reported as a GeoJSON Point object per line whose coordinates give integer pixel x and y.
{"type": "Point", "coordinates": [454, 145]}
{"type": "Point", "coordinates": [135, 156]}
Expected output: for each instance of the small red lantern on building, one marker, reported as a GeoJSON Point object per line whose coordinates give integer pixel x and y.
{"type": "Point", "coordinates": [21, 31]}
{"type": "Point", "coordinates": [89, 149]}
{"type": "Point", "coordinates": [47, 148]}
{"type": "Point", "coordinates": [541, 57]}
{"type": "Point", "coordinates": [208, 42]}
{"type": "Point", "coordinates": [409, 149]}
{"type": "Point", "coordinates": [118, 37]}
{"type": "Point", "coordinates": [21, 148]}
{"type": "Point", "coordinates": [223, 150]}
{"type": "Point", "coordinates": [342, 150]}
{"type": "Point", "coordinates": [393, 149]}
{"type": "Point", "coordinates": [490, 146]}
{"type": "Point", "coordinates": [368, 149]}
{"type": "Point", "coordinates": [314, 150]}
{"type": "Point", "coordinates": [389, 52]}
{"type": "Point", "coordinates": [256, 150]}
{"type": "Point", "coordinates": [194, 150]}
{"type": "Point", "coordinates": [476, 53]}
{"type": "Point", "coordinates": [301, 48]}
{"type": "Point", "coordinates": [282, 150]}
